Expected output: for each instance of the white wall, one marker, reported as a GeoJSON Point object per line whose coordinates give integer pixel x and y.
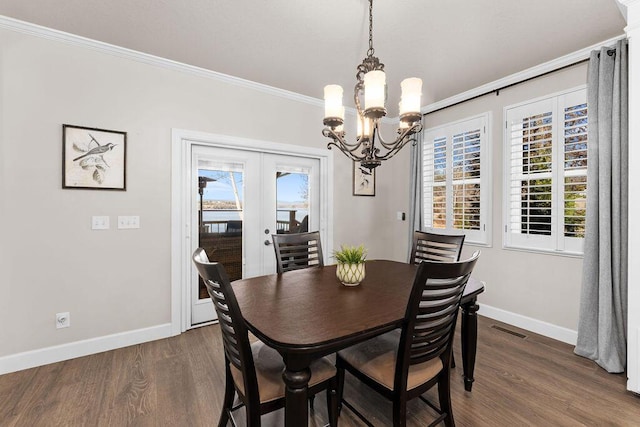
{"type": "Point", "coordinates": [116, 281]}
{"type": "Point", "coordinates": [538, 286]}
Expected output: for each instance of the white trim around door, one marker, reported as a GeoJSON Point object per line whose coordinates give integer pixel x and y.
{"type": "Point", "coordinates": [182, 142]}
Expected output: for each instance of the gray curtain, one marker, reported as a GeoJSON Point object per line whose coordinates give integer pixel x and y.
{"type": "Point", "coordinates": [415, 185]}
{"type": "Point", "coordinates": [602, 334]}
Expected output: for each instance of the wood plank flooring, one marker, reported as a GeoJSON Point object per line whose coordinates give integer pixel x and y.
{"type": "Point", "coordinates": [179, 381]}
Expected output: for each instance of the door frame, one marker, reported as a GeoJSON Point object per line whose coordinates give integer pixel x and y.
{"type": "Point", "coordinates": [181, 143]}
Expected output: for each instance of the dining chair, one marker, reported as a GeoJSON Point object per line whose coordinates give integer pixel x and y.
{"type": "Point", "coordinates": [435, 247]}
{"type": "Point", "coordinates": [403, 364]}
{"type": "Point", "coordinates": [254, 371]}
{"type": "Point", "coordinates": [296, 251]}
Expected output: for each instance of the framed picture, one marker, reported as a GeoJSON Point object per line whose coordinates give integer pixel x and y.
{"type": "Point", "coordinates": [364, 180]}
{"type": "Point", "coordinates": [93, 159]}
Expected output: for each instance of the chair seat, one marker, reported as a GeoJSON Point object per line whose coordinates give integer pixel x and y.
{"type": "Point", "coordinates": [269, 367]}
{"type": "Point", "coordinates": [376, 358]}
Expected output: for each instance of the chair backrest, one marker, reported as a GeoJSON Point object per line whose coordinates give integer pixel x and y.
{"type": "Point", "coordinates": [235, 336]}
{"type": "Point", "coordinates": [431, 314]}
{"type": "Point", "coordinates": [435, 247]}
{"type": "Point", "coordinates": [297, 250]}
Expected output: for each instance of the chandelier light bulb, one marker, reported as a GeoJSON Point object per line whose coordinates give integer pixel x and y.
{"type": "Point", "coordinates": [411, 94]}
{"type": "Point", "coordinates": [374, 89]}
{"type": "Point", "coordinates": [367, 128]}
{"type": "Point", "coordinates": [333, 102]}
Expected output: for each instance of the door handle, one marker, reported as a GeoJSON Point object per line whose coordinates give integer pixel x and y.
{"type": "Point", "coordinates": [267, 242]}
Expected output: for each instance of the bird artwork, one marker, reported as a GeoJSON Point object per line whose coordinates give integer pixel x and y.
{"type": "Point", "coordinates": [363, 181]}
{"type": "Point", "coordinates": [365, 176]}
{"type": "Point", "coordinates": [93, 157]}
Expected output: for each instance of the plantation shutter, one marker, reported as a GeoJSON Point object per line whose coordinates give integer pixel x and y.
{"type": "Point", "coordinates": [466, 180]}
{"type": "Point", "coordinates": [546, 173]}
{"type": "Point", "coordinates": [434, 166]}
{"type": "Point", "coordinates": [454, 196]}
{"type": "Point", "coordinates": [530, 135]}
{"type": "Point", "coordinates": [574, 159]}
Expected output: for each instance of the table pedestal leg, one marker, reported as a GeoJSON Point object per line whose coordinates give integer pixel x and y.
{"type": "Point", "coordinates": [469, 341]}
{"type": "Point", "coordinates": [296, 410]}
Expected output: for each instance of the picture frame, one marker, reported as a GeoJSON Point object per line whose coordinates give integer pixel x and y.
{"type": "Point", "coordinates": [93, 159]}
{"type": "Point", "coordinates": [364, 180]}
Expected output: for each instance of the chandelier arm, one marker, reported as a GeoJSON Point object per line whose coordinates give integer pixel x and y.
{"type": "Point", "coordinates": [417, 127]}
{"type": "Point", "coordinates": [346, 152]}
{"type": "Point", "coordinates": [329, 133]}
{"type": "Point", "coordinates": [398, 147]}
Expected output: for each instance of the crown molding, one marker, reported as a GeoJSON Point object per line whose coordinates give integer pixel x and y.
{"type": "Point", "coordinates": [72, 39]}
{"type": "Point", "coordinates": [543, 68]}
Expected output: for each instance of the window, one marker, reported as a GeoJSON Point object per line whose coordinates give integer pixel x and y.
{"type": "Point", "coordinates": [546, 173]}
{"type": "Point", "coordinates": [455, 177]}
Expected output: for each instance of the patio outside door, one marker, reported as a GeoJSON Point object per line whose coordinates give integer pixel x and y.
{"type": "Point", "coordinates": [241, 197]}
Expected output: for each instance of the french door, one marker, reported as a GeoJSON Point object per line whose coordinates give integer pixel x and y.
{"type": "Point", "coordinates": [239, 198]}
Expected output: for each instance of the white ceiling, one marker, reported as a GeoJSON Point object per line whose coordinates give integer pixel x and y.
{"type": "Point", "coordinates": [453, 45]}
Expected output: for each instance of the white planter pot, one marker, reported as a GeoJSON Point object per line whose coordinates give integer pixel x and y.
{"type": "Point", "coordinates": [350, 274]}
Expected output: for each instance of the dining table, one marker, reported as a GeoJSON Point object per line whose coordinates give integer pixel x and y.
{"type": "Point", "coordinates": [307, 314]}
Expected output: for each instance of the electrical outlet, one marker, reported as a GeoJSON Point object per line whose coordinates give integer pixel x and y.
{"type": "Point", "coordinates": [63, 320]}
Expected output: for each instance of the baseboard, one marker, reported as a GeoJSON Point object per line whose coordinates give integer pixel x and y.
{"type": "Point", "coordinates": [530, 324]}
{"type": "Point", "coordinates": [58, 353]}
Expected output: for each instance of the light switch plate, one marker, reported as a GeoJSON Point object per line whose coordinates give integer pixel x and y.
{"type": "Point", "coordinates": [125, 222]}
{"type": "Point", "coordinates": [99, 222]}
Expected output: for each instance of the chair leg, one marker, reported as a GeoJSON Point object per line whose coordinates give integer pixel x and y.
{"type": "Point", "coordinates": [399, 412]}
{"type": "Point", "coordinates": [340, 387]}
{"type": "Point", "coordinates": [444, 396]}
{"type": "Point", "coordinates": [229, 394]}
{"type": "Point", "coordinates": [332, 402]}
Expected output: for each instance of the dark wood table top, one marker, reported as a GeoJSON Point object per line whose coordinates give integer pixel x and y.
{"type": "Point", "coordinates": [286, 310]}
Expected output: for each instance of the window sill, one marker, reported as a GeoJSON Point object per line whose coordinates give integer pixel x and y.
{"type": "Point", "coordinates": [544, 251]}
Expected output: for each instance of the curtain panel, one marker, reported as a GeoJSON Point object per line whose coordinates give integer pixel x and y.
{"type": "Point", "coordinates": [415, 186]}
{"type": "Point", "coordinates": [602, 334]}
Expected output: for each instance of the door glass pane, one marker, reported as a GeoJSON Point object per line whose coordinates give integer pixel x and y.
{"type": "Point", "coordinates": [292, 201]}
{"type": "Point", "coordinates": [220, 217]}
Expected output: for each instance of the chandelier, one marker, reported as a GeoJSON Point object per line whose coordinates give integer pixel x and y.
{"type": "Point", "coordinates": [371, 85]}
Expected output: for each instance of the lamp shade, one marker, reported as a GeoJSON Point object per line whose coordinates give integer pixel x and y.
{"type": "Point", "coordinates": [333, 101]}
{"type": "Point", "coordinates": [374, 89]}
{"type": "Point", "coordinates": [411, 94]}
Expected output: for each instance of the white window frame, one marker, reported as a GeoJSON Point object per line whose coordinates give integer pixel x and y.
{"type": "Point", "coordinates": [555, 243]}
{"type": "Point", "coordinates": [482, 122]}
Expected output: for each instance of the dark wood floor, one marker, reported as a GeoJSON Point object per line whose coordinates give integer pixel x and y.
{"type": "Point", "coordinates": [531, 381]}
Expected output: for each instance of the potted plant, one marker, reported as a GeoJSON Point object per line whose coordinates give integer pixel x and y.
{"type": "Point", "coordinates": [350, 268]}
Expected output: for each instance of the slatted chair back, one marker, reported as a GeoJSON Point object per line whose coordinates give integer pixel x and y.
{"type": "Point", "coordinates": [297, 251]}
{"type": "Point", "coordinates": [431, 314]}
{"type": "Point", "coordinates": [235, 335]}
{"type": "Point", "coordinates": [435, 247]}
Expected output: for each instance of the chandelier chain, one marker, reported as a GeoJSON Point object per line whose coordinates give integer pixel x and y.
{"type": "Point", "coordinates": [370, 51]}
